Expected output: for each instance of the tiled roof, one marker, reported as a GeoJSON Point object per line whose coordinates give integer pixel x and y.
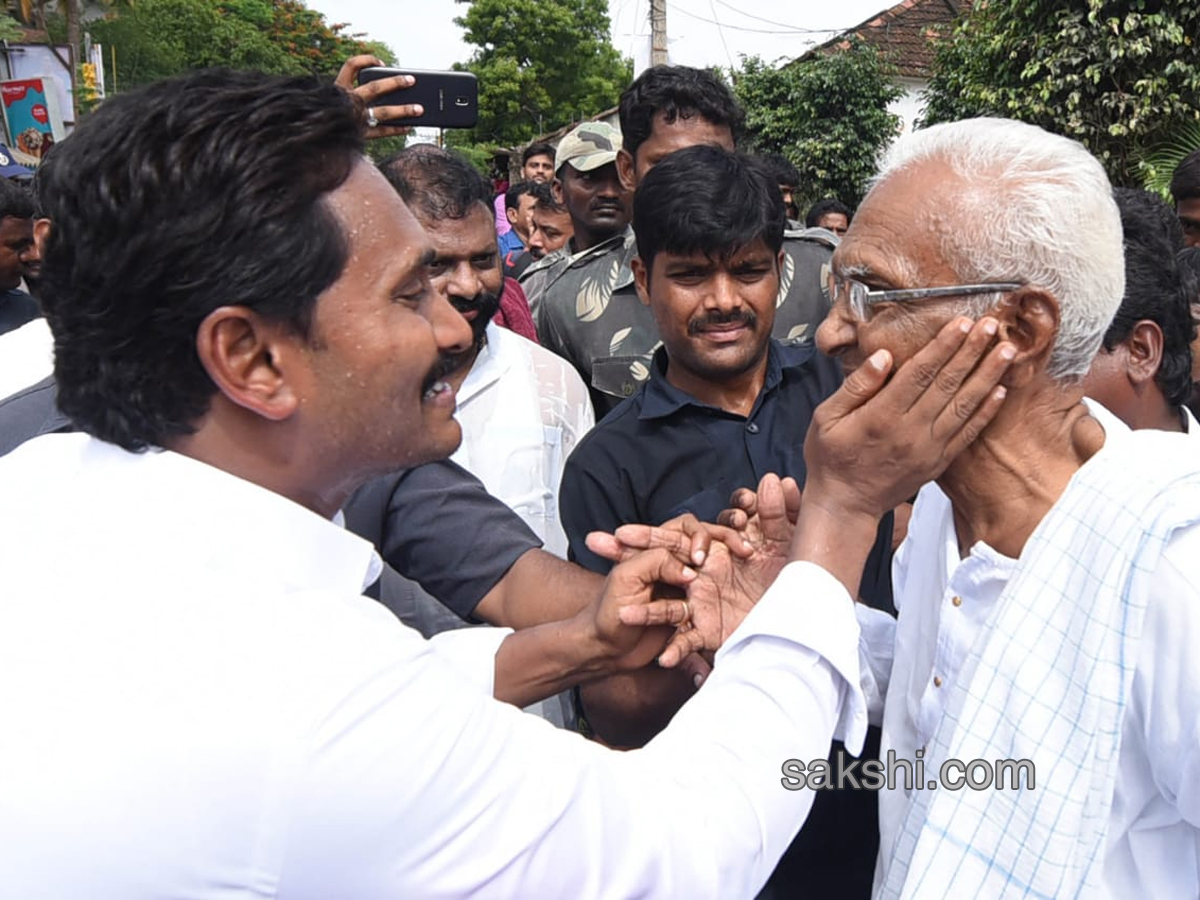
{"type": "Point", "coordinates": [902, 34]}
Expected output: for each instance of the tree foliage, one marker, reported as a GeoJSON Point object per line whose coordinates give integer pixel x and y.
{"type": "Point", "coordinates": [827, 114]}
{"type": "Point", "coordinates": [1121, 76]}
{"type": "Point", "coordinates": [158, 38]}
{"type": "Point", "coordinates": [541, 64]}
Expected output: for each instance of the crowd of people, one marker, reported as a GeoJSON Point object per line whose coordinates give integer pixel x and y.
{"type": "Point", "coordinates": [365, 531]}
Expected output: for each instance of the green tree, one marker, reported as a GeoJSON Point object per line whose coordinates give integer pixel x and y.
{"type": "Point", "coordinates": [541, 64]}
{"type": "Point", "coordinates": [1121, 76]}
{"type": "Point", "coordinates": [828, 115]}
{"type": "Point", "coordinates": [155, 39]}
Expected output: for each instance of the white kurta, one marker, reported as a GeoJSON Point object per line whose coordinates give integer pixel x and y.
{"type": "Point", "coordinates": [944, 601]}
{"type": "Point", "coordinates": [522, 410]}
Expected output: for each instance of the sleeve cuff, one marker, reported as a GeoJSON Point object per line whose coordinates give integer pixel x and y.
{"type": "Point", "coordinates": [472, 652]}
{"type": "Point", "coordinates": [810, 607]}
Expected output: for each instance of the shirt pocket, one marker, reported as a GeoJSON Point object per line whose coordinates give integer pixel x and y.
{"type": "Point", "coordinates": [619, 376]}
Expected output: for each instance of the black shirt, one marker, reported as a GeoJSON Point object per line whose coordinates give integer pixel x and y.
{"type": "Point", "coordinates": [438, 526]}
{"type": "Point", "coordinates": [662, 453]}
{"type": "Point", "coordinates": [16, 308]}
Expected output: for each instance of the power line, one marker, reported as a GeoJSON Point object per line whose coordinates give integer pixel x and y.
{"type": "Point", "coordinates": [721, 34]}
{"type": "Point", "coordinates": [692, 15]}
{"type": "Point", "coordinates": [773, 22]}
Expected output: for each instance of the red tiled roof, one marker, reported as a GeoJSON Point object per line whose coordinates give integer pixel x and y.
{"type": "Point", "coordinates": [902, 34]}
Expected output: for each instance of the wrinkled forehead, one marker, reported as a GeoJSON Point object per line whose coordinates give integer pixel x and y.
{"type": "Point", "coordinates": [473, 234]}
{"type": "Point", "coordinates": [903, 227]}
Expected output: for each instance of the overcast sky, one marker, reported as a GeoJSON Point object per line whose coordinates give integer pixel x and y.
{"type": "Point", "coordinates": [424, 36]}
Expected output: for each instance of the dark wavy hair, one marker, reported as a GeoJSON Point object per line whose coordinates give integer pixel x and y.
{"type": "Point", "coordinates": [436, 183]}
{"type": "Point", "coordinates": [1156, 288]}
{"type": "Point", "coordinates": [1185, 180]}
{"type": "Point", "coordinates": [537, 150]}
{"type": "Point", "coordinates": [824, 208]}
{"type": "Point", "coordinates": [171, 201]}
{"type": "Point", "coordinates": [704, 199]}
{"type": "Point", "coordinates": [16, 200]}
{"type": "Point", "coordinates": [676, 92]}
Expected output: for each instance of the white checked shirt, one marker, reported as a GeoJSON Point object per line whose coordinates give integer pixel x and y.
{"type": "Point", "coordinates": [944, 603]}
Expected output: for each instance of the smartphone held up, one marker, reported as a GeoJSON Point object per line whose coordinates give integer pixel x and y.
{"type": "Point", "coordinates": [450, 99]}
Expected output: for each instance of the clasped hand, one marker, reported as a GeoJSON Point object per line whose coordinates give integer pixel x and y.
{"type": "Point", "coordinates": [871, 445]}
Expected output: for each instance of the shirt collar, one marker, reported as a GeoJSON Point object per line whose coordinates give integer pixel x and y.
{"type": "Point", "coordinates": [623, 244]}
{"type": "Point", "coordinates": [663, 399]}
{"type": "Point", "coordinates": [489, 366]}
{"type": "Point", "coordinates": [239, 524]}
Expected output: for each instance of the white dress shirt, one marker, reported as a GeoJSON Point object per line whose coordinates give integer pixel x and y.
{"type": "Point", "coordinates": [197, 703]}
{"type": "Point", "coordinates": [26, 356]}
{"type": "Point", "coordinates": [522, 410]}
{"type": "Point", "coordinates": [944, 603]}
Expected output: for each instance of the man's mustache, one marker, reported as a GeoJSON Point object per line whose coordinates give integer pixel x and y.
{"type": "Point", "coordinates": [714, 319]}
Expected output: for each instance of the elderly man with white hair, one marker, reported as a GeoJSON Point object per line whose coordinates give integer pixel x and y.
{"type": "Point", "coordinates": [1048, 591]}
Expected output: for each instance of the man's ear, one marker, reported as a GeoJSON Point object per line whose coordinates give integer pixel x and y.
{"type": "Point", "coordinates": [249, 360]}
{"type": "Point", "coordinates": [625, 171]}
{"type": "Point", "coordinates": [1029, 318]}
{"type": "Point", "coordinates": [1145, 345]}
{"type": "Point", "coordinates": [511, 215]}
{"type": "Point", "coordinates": [641, 279]}
{"type": "Point", "coordinates": [556, 187]}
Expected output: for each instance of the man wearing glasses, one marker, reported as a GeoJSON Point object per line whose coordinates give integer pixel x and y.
{"type": "Point", "coordinates": [1048, 594]}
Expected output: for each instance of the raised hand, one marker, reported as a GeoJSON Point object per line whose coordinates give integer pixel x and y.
{"type": "Point", "coordinates": [875, 442]}
{"type": "Point", "coordinates": [727, 585]}
{"type": "Point", "coordinates": [369, 92]}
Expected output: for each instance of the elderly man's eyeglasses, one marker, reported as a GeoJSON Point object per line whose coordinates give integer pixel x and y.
{"type": "Point", "coordinates": [860, 298]}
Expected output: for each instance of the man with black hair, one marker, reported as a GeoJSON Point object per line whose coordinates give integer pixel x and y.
{"type": "Point", "coordinates": [787, 176]}
{"type": "Point", "coordinates": [195, 695]}
{"type": "Point", "coordinates": [18, 255]}
{"type": "Point", "coordinates": [725, 404]}
{"type": "Point", "coordinates": [590, 312]}
{"type": "Point", "coordinates": [831, 214]}
{"type": "Point", "coordinates": [1189, 266]}
{"type": "Point", "coordinates": [518, 208]}
{"type": "Point", "coordinates": [587, 183]}
{"type": "Point", "coordinates": [1185, 190]}
{"type": "Point", "coordinates": [552, 228]}
{"type": "Point", "coordinates": [549, 230]}
{"type": "Point", "coordinates": [522, 409]}
{"type": "Point", "coordinates": [537, 163]}
{"type": "Point", "coordinates": [537, 166]}
{"type": "Point", "coordinates": [1143, 372]}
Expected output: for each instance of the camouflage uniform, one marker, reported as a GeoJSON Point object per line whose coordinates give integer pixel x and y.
{"type": "Point", "coordinates": [588, 147]}
{"type": "Point", "coordinates": [590, 313]}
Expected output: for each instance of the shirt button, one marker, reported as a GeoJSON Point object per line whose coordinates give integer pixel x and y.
{"type": "Point", "coordinates": [752, 428]}
{"type": "Point", "coordinates": [937, 680]}
{"type": "Point", "coordinates": [957, 601]}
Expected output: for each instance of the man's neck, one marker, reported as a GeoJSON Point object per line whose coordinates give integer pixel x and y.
{"type": "Point", "coordinates": [460, 373]}
{"type": "Point", "coordinates": [582, 239]}
{"type": "Point", "coordinates": [269, 455]}
{"type": "Point", "coordinates": [736, 394]}
{"type": "Point", "coordinates": [1003, 485]}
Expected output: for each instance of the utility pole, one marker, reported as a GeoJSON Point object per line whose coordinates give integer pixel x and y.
{"type": "Point", "coordinates": [658, 32]}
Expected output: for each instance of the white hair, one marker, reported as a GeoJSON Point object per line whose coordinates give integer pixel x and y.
{"type": "Point", "coordinates": [1037, 209]}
